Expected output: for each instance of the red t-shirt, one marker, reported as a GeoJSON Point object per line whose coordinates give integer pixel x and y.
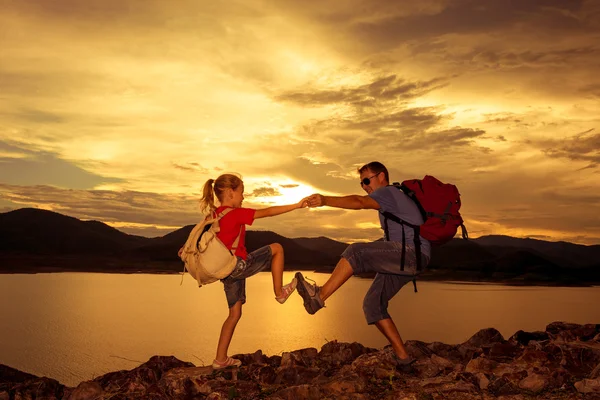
{"type": "Point", "coordinates": [230, 226]}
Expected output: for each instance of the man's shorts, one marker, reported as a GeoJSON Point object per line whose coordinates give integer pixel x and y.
{"type": "Point", "coordinates": [382, 257]}
{"type": "Point", "coordinates": [235, 284]}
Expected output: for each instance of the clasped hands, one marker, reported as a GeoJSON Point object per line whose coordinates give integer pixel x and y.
{"type": "Point", "coordinates": [314, 200]}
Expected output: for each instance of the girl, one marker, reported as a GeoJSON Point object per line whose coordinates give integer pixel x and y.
{"type": "Point", "coordinates": [229, 190]}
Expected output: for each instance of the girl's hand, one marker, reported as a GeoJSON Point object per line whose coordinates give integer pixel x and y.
{"type": "Point", "coordinates": [303, 203]}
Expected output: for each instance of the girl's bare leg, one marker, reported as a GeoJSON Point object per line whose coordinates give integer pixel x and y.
{"type": "Point", "coordinates": [235, 313]}
{"type": "Point", "coordinates": [277, 267]}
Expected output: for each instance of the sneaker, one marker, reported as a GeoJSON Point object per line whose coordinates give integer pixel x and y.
{"type": "Point", "coordinates": [287, 290]}
{"type": "Point", "coordinates": [310, 294]}
{"type": "Point", "coordinates": [229, 362]}
{"type": "Point", "coordinates": [403, 364]}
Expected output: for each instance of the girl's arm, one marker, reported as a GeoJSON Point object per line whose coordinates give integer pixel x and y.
{"type": "Point", "coordinates": [352, 202]}
{"type": "Point", "coordinates": [276, 210]}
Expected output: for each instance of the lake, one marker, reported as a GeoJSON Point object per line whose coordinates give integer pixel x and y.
{"type": "Point", "coordinates": [77, 326]}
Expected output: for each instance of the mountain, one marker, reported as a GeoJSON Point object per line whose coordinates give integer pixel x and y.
{"type": "Point", "coordinates": [35, 231]}
{"type": "Point", "coordinates": [322, 244]}
{"type": "Point", "coordinates": [563, 253]}
{"type": "Point", "coordinates": [34, 240]}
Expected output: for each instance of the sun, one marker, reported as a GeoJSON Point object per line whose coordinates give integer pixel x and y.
{"type": "Point", "coordinates": [278, 191]}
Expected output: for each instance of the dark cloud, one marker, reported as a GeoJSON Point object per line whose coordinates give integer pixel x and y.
{"type": "Point", "coordinates": [409, 121]}
{"type": "Point", "coordinates": [481, 58]}
{"type": "Point", "coordinates": [469, 17]}
{"type": "Point", "coordinates": [290, 186]}
{"type": "Point", "coordinates": [265, 192]}
{"type": "Point", "coordinates": [581, 147]}
{"type": "Point", "coordinates": [192, 167]}
{"type": "Point", "coordinates": [45, 168]}
{"type": "Point", "coordinates": [591, 90]}
{"type": "Point", "coordinates": [386, 89]}
{"type": "Point", "coordinates": [35, 116]}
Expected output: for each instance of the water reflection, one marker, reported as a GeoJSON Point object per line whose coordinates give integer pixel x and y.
{"type": "Point", "coordinates": [73, 327]}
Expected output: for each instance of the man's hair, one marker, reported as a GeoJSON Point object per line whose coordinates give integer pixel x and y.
{"type": "Point", "coordinates": [376, 167]}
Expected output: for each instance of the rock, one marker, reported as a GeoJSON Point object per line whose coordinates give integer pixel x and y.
{"type": "Point", "coordinates": [139, 379]}
{"type": "Point", "coordinates": [442, 362]}
{"type": "Point", "coordinates": [346, 384]}
{"type": "Point", "coordinates": [307, 392]}
{"type": "Point", "coordinates": [87, 390]}
{"type": "Point", "coordinates": [427, 369]}
{"type": "Point", "coordinates": [524, 338]}
{"type": "Point", "coordinates": [534, 383]}
{"type": "Point", "coordinates": [179, 382]}
{"type": "Point", "coordinates": [559, 326]}
{"type": "Point", "coordinates": [485, 337]}
{"type": "Point", "coordinates": [540, 366]}
{"type": "Point", "coordinates": [533, 357]}
{"type": "Point", "coordinates": [296, 375]}
{"type": "Point", "coordinates": [504, 351]}
{"type": "Point", "coordinates": [446, 351]}
{"type": "Point", "coordinates": [39, 388]}
{"type": "Point", "coordinates": [304, 357]}
{"type": "Point", "coordinates": [417, 349]}
{"type": "Point", "coordinates": [502, 386]}
{"type": "Point", "coordinates": [338, 354]}
{"type": "Point", "coordinates": [482, 380]}
{"type": "Point", "coordinates": [481, 365]}
{"type": "Point", "coordinates": [588, 386]}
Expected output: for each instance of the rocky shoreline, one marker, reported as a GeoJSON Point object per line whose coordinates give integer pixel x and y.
{"type": "Point", "coordinates": [562, 362]}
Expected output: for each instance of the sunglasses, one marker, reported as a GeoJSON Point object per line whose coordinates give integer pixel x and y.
{"type": "Point", "coordinates": [367, 181]}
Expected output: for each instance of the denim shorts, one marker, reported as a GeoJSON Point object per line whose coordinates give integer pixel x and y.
{"type": "Point", "coordinates": [235, 283]}
{"type": "Point", "coordinates": [384, 258]}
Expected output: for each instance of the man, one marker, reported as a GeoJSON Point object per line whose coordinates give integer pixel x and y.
{"type": "Point", "coordinates": [382, 257]}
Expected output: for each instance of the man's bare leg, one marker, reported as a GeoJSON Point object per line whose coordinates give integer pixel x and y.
{"type": "Point", "coordinates": [342, 272]}
{"type": "Point", "coordinates": [389, 330]}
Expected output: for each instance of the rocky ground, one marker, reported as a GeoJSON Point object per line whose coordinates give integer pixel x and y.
{"type": "Point", "coordinates": [562, 362]}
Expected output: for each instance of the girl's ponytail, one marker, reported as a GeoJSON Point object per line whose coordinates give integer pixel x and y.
{"type": "Point", "coordinates": [207, 202]}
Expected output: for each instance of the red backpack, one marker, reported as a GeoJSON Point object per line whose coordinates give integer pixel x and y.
{"type": "Point", "coordinates": [439, 204]}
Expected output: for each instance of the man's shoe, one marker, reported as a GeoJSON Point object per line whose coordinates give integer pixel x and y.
{"type": "Point", "coordinates": [310, 294]}
{"type": "Point", "coordinates": [404, 364]}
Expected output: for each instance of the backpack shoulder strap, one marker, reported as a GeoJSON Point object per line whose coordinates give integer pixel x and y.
{"type": "Point", "coordinates": [236, 242]}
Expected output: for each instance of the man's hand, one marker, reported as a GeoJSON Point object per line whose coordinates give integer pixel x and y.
{"type": "Point", "coordinates": [315, 200]}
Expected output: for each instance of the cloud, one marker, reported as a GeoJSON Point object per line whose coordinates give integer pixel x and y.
{"type": "Point", "coordinates": [265, 192]}
{"type": "Point", "coordinates": [20, 165]}
{"type": "Point", "coordinates": [581, 147]}
{"type": "Point", "coordinates": [381, 90]}
{"type": "Point", "coordinates": [192, 167]}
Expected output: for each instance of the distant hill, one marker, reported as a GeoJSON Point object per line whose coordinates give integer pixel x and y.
{"type": "Point", "coordinates": [563, 253]}
{"type": "Point", "coordinates": [34, 240]}
{"type": "Point", "coordinates": [35, 231]}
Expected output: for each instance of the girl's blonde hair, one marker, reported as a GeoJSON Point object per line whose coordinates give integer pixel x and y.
{"type": "Point", "coordinates": [216, 188]}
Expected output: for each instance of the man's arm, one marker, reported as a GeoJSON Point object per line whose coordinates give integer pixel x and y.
{"type": "Point", "coordinates": [352, 202]}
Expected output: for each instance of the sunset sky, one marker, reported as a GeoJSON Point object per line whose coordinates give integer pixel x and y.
{"type": "Point", "coordinates": [119, 110]}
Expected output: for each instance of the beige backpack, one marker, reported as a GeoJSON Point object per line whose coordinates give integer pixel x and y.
{"type": "Point", "coordinates": [206, 258]}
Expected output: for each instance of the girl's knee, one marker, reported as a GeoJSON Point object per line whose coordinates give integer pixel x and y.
{"type": "Point", "coordinates": [276, 248]}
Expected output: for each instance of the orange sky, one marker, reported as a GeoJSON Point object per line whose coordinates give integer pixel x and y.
{"type": "Point", "coordinates": [120, 110]}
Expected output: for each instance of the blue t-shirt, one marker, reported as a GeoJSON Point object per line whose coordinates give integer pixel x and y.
{"type": "Point", "coordinates": [394, 201]}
